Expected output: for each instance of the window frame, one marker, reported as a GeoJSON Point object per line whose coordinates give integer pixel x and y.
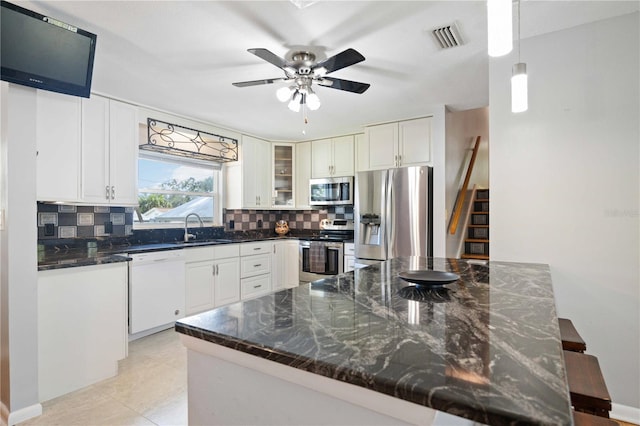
{"type": "Point", "coordinates": [216, 194]}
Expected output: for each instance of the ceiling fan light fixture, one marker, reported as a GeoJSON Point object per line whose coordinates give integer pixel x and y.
{"type": "Point", "coordinates": [296, 100]}
{"type": "Point", "coordinates": [284, 93]}
{"type": "Point", "coordinates": [313, 101]}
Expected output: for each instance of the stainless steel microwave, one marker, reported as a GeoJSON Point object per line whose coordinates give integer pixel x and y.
{"type": "Point", "coordinates": [331, 191]}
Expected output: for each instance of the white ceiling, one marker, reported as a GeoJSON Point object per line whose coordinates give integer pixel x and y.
{"type": "Point", "coordinates": [182, 56]}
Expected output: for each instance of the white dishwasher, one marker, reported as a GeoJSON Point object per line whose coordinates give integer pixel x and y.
{"type": "Point", "coordinates": [156, 290]}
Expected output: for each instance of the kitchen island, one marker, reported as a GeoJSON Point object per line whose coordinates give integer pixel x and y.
{"type": "Point", "coordinates": [367, 347]}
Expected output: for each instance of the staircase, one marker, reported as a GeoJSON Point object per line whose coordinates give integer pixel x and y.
{"type": "Point", "coordinates": [476, 245]}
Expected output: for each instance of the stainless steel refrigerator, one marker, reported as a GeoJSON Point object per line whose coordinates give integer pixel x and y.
{"type": "Point", "coordinates": [393, 214]}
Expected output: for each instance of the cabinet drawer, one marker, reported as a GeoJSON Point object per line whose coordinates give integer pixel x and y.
{"type": "Point", "coordinates": [255, 286]}
{"type": "Point", "coordinates": [198, 254]}
{"type": "Point", "coordinates": [249, 249]}
{"type": "Point", "coordinates": [225, 251]}
{"type": "Point", "coordinates": [349, 249]}
{"type": "Point", "coordinates": [255, 265]}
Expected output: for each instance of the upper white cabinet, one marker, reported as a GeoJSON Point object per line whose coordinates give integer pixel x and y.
{"type": "Point", "coordinates": [332, 157]}
{"type": "Point", "coordinates": [109, 152]}
{"type": "Point", "coordinates": [283, 175]}
{"type": "Point", "coordinates": [87, 150]}
{"type": "Point", "coordinates": [362, 153]}
{"type": "Point", "coordinates": [406, 143]}
{"type": "Point", "coordinates": [58, 143]}
{"type": "Point", "coordinates": [303, 174]}
{"type": "Point", "coordinates": [256, 184]}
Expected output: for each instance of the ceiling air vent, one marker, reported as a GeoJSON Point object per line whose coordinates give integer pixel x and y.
{"type": "Point", "coordinates": [448, 36]}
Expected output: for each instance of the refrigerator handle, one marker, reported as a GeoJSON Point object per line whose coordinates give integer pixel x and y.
{"type": "Point", "coordinates": [390, 213]}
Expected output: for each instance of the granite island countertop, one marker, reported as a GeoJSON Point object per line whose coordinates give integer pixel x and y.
{"type": "Point", "coordinates": [486, 347]}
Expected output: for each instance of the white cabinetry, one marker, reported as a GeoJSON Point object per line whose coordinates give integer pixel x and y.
{"type": "Point", "coordinates": [283, 175]}
{"type": "Point", "coordinates": [109, 152]}
{"type": "Point", "coordinates": [255, 269]}
{"type": "Point", "coordinates": [87, 150]}
{"type": "Point", "coordinates": [212, 277]}
{"type": "Point", "coordinates": [349, 257]}
{"type": "Point", "coordinates": [332, 157]}
{"type": "Point", "coordinates": [82, 326]}
{"type": "Point", "coordinates": [58, 143]}
{"type": "Point", "coordinates": [362, 153]}
{"type": "Point", "coordinates": [285, 271]}
{"type": "Point", "coordinates": [256, 184]}
{"type": "Point", "coordinates": [303, 174]}
{"type": "Point", "coordinates": [406, 143]}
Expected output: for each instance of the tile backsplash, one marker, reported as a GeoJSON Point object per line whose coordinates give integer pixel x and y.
{"type": "Point", "coordinates": [83, 221]}
{"type": "Point", "coordinates": [244, 220]}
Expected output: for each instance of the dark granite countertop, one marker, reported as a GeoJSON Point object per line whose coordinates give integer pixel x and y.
{"type": "Point", "coordinates": [69, 256]}
{"type": "Point", "coordinates": [486, 347]}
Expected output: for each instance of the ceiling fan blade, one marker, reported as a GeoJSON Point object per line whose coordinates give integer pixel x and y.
{"type": "Point", "coordinates": [341, 60]}
{"type": "Point", "coordinates": [258, 82]}
{"type": "Point", "coordinates": [347, 85]}
{"type": "Point", "coordinates": [270, 57]}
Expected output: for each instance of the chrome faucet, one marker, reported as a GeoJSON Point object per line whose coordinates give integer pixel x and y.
{"type": "Point", "coordinates": [187, 235]}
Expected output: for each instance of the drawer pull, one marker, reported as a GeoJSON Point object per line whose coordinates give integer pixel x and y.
{"type": "Point", "coordinates": [258, 265]}
{"type": "Point", "coordinates": [256, 248]}
{"type": "Point", "coordinates": [257, 286]}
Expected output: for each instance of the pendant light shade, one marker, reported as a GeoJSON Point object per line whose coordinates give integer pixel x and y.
{"type": "Point", "coordinates": [284, 93]}
{"type": "Point", "coordinates": [519, 95]}
{"type": "Point", "coordinates": [500, 27]}
{"type": "Point", "coordinates": [294, 104]}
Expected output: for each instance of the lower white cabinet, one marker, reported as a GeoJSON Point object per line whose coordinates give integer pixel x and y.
{"type": "Point", "coordinates": [255, 269]}
{"type": "Point", "coordinates": [285, 271]}
{"type": "Point", "coordinates": [212, 277]}
{"type": "Point", "coordinates": [349, 257]}
{"type": "Point", "coordinates": [82, 326]}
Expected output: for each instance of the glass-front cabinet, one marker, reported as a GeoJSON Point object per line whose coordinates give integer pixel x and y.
{"type": "Point", "coordinates": [283, 172]}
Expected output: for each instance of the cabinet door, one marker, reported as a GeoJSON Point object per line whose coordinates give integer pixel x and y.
{"type": "Point", "coordinates": [199, 294]}
{"type": "Point", "coordinates": [227, 281]}
{"type": "Point", "coordinates": [383, 145]}
{"type": "Point", "coordinates": [123, 153]}
{"type": "Point", "coordinates": [95, 150]}
{"type": "Point", "coordinates": [58, 143]}
{"type": "Point", "coordinates": [291, 264]}
{"type": "Point", "coordinates": [283, 175]}
{"type": "Point", "coordinates": [303, 174]}
{"type": "Point", "coordinates": [361, 153]}
{"type": "Point", "coordinates": [256, 183]}
{"type": "Point", "coordinates": [321, 158]}
{"type": "Point", "coordinates": [415, 142]}
{"type": "Point", "coordinates": [343, 155]}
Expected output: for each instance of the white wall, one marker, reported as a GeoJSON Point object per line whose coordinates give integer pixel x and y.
{"type": "Point", "coordinates": [565, 183]}
{"type": "Point", "coordinates": [18, 279]}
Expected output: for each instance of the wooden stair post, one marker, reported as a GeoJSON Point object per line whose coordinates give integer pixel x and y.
{"type": "Point", "coordinates": [476, 245]}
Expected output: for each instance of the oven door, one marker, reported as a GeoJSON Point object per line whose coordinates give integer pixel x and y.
{"type": "Point", "coordinates": [333, 265]}
{"type": "Point", "coordinates": [331, 191]}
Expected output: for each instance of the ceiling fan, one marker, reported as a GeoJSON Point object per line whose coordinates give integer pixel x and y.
{"type": "Point", "coordinates": [302, 71]}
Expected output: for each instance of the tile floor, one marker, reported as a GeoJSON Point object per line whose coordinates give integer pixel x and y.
{"type": "Point", "coordinates": [150, 389]}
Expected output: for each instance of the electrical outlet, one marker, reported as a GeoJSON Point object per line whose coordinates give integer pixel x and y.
{"type": "Point", "coordinates": [232, 224]}
{"type": "Point", "coordinates": [108, 227]}
{"type": "Point", "coordinates": [259, 224]}
{"type": "Point", "coordinates": [48, 230]}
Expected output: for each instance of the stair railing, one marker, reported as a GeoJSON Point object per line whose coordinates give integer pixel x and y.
{"type": "Point", "coordinates": [462, 193]}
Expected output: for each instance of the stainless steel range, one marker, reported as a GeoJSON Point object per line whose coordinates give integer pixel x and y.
{"type": "Point", "coordinates": [323, 255]}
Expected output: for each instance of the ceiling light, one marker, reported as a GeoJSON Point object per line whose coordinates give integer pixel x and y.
{"type": "Point", "coordinates": [519, 95]}
{"type": "Point", "coordinates": [296, 100]}
{"type": "Point", "coordinates": [284, 93]}
{"type": "Point", "coordinates": [500, 27]}
{"type": "Point", "coordinates": [313, 101]}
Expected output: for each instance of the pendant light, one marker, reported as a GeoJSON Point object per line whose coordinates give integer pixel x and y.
{"type": "Point", "coordinates": [499, 27]}
{"type": "Point", "coordinates": [519, 95]}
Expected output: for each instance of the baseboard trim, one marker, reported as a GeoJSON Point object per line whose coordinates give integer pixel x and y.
{"type": "Point", "coordinates": [625, 413]}
{"type": "Point", "coordinates": [24, 414]}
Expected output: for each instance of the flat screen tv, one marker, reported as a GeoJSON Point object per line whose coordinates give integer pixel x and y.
{"type": "Point", "coordinates": [42, 52]}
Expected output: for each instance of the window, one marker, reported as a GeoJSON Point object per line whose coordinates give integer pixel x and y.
{"type": "Point", "coordinates": [170, 188]}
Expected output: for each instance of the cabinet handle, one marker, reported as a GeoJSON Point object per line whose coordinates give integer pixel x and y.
{"type": "Point", "coordinates": [399, 160]}
{"type": "Point", "coordinates": [113, 192]}
{"type": "Point", "coordinates": [107, 191]}
{"type": "Point", "coordinates": [256, 248]}
{"type": "Point", "coordinates": [257, 286]}
{"type": "Point", "coordinates": [258, 265]}
{"type": "Point", "coordinates": [177, 312]}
